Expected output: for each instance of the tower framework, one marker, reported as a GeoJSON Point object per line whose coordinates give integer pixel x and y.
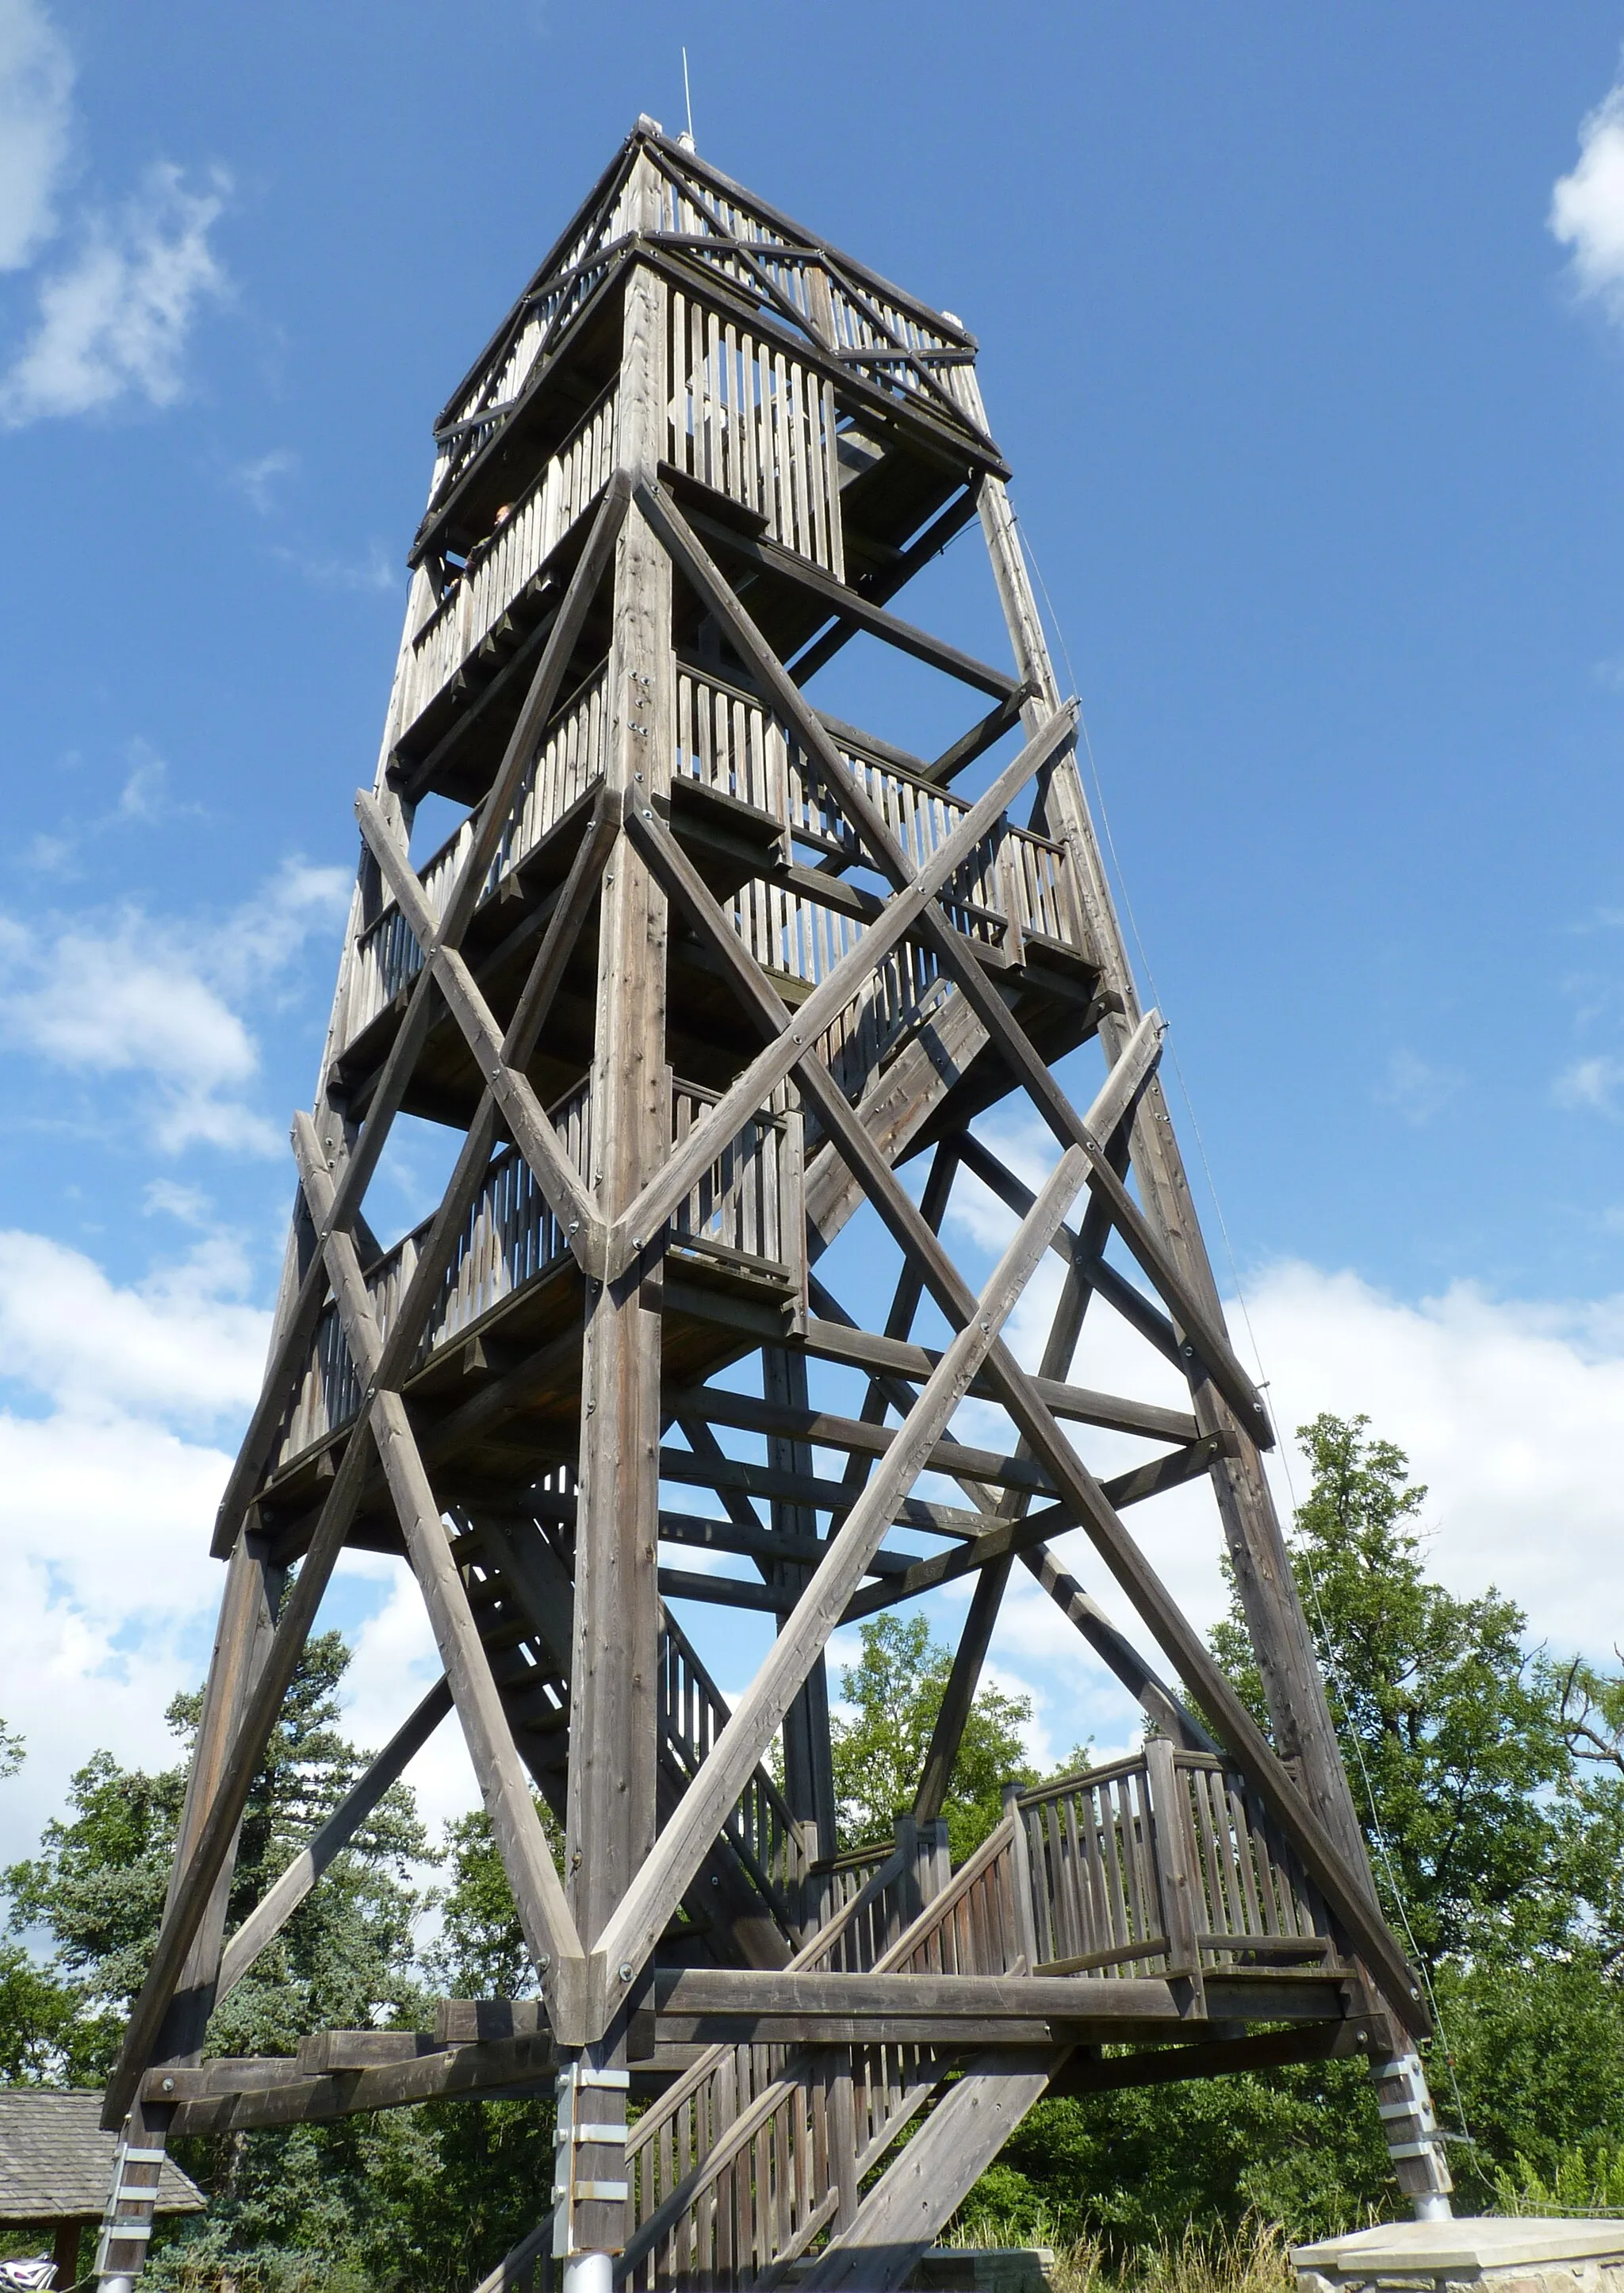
{"type": "Point", "coordinates": [700, 969]}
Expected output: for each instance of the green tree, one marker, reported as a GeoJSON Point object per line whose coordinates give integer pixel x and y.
{"type": "Point", "coordinates": [1452, 1738]}
{"type": "Point", "coordinates": [98, 1882]}
{"type": "Point", "coordinates": [896, 1690]}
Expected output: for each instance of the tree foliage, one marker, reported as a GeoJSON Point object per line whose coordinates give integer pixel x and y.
{"type": "Point", "coordinates": [894, 1692]}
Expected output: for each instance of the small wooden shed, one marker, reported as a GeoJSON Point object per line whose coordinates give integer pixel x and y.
{"type": "Point", "coordinates": [56, 2167]}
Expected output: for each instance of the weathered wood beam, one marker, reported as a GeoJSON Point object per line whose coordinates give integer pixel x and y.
{"type": "Point", "coordinates": [981, 736]}
{"type": "Point", "coordinates": [850, 1434]}
{"type": "Point", "coordinates": [492, 818]}
{"type": "Point", "coordinates": [884, 582]}
{"type": "Point", "coordinates": [1263, 2050]}
{"type": "Point", "coordinates": [192, 1885]}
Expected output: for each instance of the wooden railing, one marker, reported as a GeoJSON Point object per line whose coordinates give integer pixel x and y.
{"type": "Point", "coordinates": [868, 330]}
{"type": "Point", "coordinates": [1161, 1860]}
{"type": "Point", "coordinates": [761, 1830]}
{"type": "Point", "coordinates": [1015, 884]}
{"type": "Point", "coordinates": [750, 419]}
{"type": "Point", "coordinates": [745, 1213]}
{"type": "Point", "coordinates": [747, 1205]}
{"type": "Point", "coordinates": [571, 760]}
{"type": "Point", "coordinates": [740, 2165]}
{"type": "Point", "coordinates": [541, 322]}
{"type": "Point", "coordinates": [498, 569]}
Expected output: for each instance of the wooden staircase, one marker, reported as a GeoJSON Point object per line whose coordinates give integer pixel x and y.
{"type": "Point", "coordinates": [761, 2159]}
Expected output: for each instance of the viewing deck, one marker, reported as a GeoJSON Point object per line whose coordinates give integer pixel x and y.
{"type": "Point", "coordinates": [742, 1218]}
{"type": "Point", "coordinates": [1015, 897]}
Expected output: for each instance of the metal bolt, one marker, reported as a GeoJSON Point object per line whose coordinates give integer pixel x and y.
{"type": "Point", "coordinates": [544, 1962]}
{"type": "Point", "coordinates": [168, 2086]}
{"type": "Point", "coordinates": [626, 1970]}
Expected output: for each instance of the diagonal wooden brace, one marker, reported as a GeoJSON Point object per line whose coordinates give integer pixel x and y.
{"type": "Point", "coordinates": [669, 1871]}
{"type": "Point", "coordinates": [493, 816]}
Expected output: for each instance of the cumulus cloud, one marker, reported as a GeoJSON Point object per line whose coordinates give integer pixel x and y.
{"type": "Point", "coordinates": [115, 320]}
{"type": "Point", "coordinates": [1587, 212]}
{"type": "Point", "coordinates": [182, 1345]}
{"type": "Point", "coordinates": [36, 128]}
{"type": "Point", "coordinates": [127, 994]}
{"type": "Point", "coordinates": [121, 1404]}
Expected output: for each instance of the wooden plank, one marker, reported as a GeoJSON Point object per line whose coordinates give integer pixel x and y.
{"type": "Point", "coordinates": [1212, 2058]}
{"type": "Point", "coordinates": [770, 556]}
{"type": "Point", "coordinates": [974, 744]}
{"type": "Point", "coordinates": [271, 1913]}
{"type": "Point", "coordinates": [997, 1545]}
{"type": "Point", "coordinates": [876, 1441]}
{"type": "Point", "coordinates": [448, 2072]}
{"type": "Point", "coordinates": [831, 1340]}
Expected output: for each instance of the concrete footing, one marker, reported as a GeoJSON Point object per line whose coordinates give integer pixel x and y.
{"type": "Point", "coordinates": [1512, 2256]}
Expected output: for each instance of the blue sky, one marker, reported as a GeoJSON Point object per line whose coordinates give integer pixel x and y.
{"type": "Point", "coordinates": [1304, 332]}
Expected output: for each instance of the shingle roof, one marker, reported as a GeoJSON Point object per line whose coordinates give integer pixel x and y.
{"type": "Point", "coordinates": [56, 2164]}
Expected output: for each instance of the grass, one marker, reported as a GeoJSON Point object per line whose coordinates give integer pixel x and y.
{"type": "Point", "coordinates": [1251, 2259]}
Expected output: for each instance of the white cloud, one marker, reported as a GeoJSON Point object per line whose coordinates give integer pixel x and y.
{"type": "Point", "coordinates": [182, 1346]}
{"type": "Point", "coordinates": [1586, 213]}
{"type": "Point", "coordinates": [1591, 1083]}
{"type": "Point", "coordinates": [36, 128]}
{"type": "Point", "coordinates": [129, 995]}
{"type": "Point", "coordinates": [257, 478]}
{"type": "Point", "coordinates": [115, 320]}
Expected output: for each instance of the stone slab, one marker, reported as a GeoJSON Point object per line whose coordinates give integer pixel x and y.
{"type": "Point", "coordinates": [1480, 2245]}
{"type": "Point", "coordinates": [970, 2269]}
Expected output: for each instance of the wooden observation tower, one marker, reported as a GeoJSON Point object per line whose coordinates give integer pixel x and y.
{"type": "Point", "coordinates": [700, 969]}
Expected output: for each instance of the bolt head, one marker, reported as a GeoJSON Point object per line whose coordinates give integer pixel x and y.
{"type": "Point", "coordinates": [626, 1970]}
